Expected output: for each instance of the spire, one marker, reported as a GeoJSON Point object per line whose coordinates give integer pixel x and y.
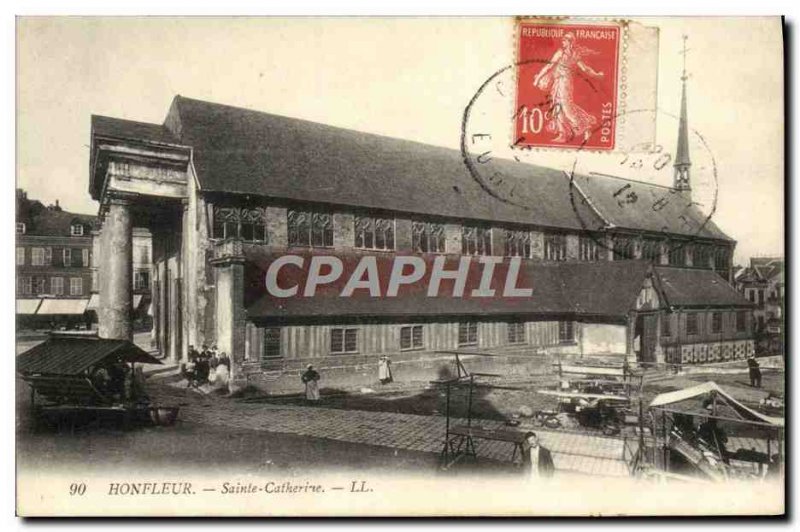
{"type": "Point", "coordinates": [682, 161]}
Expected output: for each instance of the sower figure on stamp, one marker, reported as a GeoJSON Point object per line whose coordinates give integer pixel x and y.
{"type": "Point", "coordinates": [311, 379]}
{"type": "Point", "coordinates": [565, 117]}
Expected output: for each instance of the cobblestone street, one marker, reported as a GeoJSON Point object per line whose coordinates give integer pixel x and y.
{"type": "Point", "coordinates": [577, 453]}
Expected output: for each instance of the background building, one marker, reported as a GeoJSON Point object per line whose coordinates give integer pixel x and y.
{"type": "Point", "coordinates": [53, 258]}
{"type": "Point", "coordinates": [56, 267]}
{"type": "Point", "coordinates": [762, 283]}
{"type": "Point", "coordinates": [224, 189]}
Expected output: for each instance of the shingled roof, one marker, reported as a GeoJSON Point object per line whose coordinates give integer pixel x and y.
{"type": "Point", "coordinates": [243, 151]}
{"type": "Point", "coordinates": [682, 287]}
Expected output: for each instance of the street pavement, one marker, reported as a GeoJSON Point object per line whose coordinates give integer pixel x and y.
{"type": "Point", "coordinates": [576, 453]}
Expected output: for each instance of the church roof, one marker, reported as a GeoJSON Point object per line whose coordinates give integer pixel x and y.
{"type": "Point", "coordinates": [243, 151]}
{"type": "Point", "coordinates": [683, 287]}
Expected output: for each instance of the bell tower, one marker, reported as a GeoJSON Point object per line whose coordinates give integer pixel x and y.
{"type": "Point", "coordinates": [682, 164]}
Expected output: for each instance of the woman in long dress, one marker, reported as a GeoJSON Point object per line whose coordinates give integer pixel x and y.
{"type": "Point", "coordinates": [384, 370]}
{"type": "Point", "coordinates": [311, 379]}
{"type": "Point", "coordinates": [221, 375]}
{"type": "Point", "coordinates": [565, 117]}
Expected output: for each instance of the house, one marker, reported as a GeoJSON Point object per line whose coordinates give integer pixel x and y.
{"type": "Point", "coordinates": [53, 258]}
{"type": "Point", "coordinates": [56, 266]}
{"type": "Point", "coordinates": [762, 283]}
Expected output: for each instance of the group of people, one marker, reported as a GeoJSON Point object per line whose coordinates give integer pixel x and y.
{"type": "Point", "coordinates": [206, 366]}
{"type": "Point", "coordinates": [310, 377]}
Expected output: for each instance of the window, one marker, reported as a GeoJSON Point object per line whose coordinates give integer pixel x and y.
{"type": "Point", "coordinates": [468, 333]}
{"type": "Point", "coordinates": [344, 340]}
{"type": "Point", "coordinates": [666, 324]}
{"type": "Point", "coordinates": [24, 286]}
{"type": "Point", "coordinates": [702, 257]}
{"type": "Point", "coordinates": [141, 280]}
{"type": "Point", "coordinates": [624, 248]}
{"type": "Point", "coordinates": [476, 240]}
{"type": "Point", "coordinates": [20, 228]}
{"type": "Point", "coordinates": [741, 321]}
{"type": "Point", "coordinates": [272, 343]}
{"type": "Point", "coordinates": [588, 251]}
{"type": "Point", "coordinates": [57, 286]}
{"type": "Point", "coordinates": [37, 256]}
{"type": "Point", "coordinates": [691, 324]}
{"type": "Point", "coordinates": [39, 285]}
{"type": "Point", "coordinates": [516, 332]}
{"type": "Point", "coordinates": [76, 230]}
{"type": "Point", "coordinates": [76, 257]}
{"type": "Point", "coordinates": [677, 254]}
{"type": "Point", "coordinates": [234, 222]}
{"type": "Point", "coordinates": [518, 244]}
{"type": "Point", "coordinates": [20, 256]}
{"type": "Point", "coordinates": [721, 258]}
{"type": "Point", "coordinates": [427, 237]}
{"type": "Point", "coordinates": [41, 256]}
{"type": "Point", "coordinates": [566, 332]}
{"type": "Point", "coordinates": [555, 247]}
{"type": "Point", "coordinates": [651, 250]}
{"type": "Point", "coordinates": [314, 229]}
{"type": "Point", "coordinates": [716, 322]}
{"type": "Point", "coordinates": [75, 286]}
{"type": "Point", "coordinates": [374, 233]}
{"type": "Point", "coordinates": [411, 337]}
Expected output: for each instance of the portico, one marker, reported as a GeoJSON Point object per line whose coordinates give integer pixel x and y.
{"type": "Point", "coordinates": [139, 176]}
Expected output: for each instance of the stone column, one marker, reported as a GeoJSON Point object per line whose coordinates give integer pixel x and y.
{"type": "Point", "coordinates": [230, 312]}
{"type": "Point", "coordinates": [117, 272]}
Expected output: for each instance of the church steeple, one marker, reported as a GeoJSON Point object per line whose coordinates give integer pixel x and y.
{"type": "Point", "coordinates": [682, 162]}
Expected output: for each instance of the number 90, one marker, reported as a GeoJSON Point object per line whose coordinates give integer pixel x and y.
{"type": "Point", "coordinates": [77, 488]}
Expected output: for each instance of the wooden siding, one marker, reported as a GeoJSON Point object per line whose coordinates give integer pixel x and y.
{"type": "Point", "coordinates": [313, 341]}
{"type": "Point", "coordinates": [678, 327]}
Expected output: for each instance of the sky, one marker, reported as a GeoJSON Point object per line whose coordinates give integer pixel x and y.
{"type": "Point", "coordinates": [408, 78]}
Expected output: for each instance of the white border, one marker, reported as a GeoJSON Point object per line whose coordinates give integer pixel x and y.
{"type": "Point", "coordinates": [310, 7]}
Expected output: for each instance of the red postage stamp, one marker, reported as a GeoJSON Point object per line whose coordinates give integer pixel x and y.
{"type": "Point", "coordinates": [566, 85]}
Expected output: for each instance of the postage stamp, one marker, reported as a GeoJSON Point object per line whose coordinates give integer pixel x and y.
{"type": "Point", "coordinates": [567, 85]}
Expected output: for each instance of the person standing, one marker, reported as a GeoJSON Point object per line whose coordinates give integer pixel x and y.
{"type": "Point", "coordinates": [311, 379]}
{"type": "Point", "coordinates": [536, 459]}
{"type": "Point", "coordinates": [754, 369]}
{"type": "Point", "coordinates": [222, 371]}
{"type": "Point", "coordinates": [385, 370]}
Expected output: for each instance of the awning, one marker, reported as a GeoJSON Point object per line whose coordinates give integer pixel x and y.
{"type": "Point", "coordinates": [71, 355]}
{"type": "Point", "coordinates": [710, 386]}
{"type": "Point", "coordinates": [63, 306]}
{"type": "Point", "coordinates": [28, 307]}
{"type": "Point", "coordinates": [94, 302]}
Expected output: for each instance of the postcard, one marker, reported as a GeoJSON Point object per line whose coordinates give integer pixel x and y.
{"type": "Point", "coordinates": [495, 266]}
